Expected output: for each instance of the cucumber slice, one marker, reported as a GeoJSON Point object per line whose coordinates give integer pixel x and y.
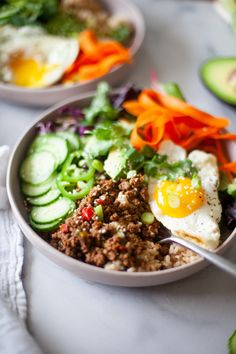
{"type": "Point", "coordinates": [45, 199]}
{"type": "Point", "coordinates": [31, 190]}
{"type": "Point", "coordinates": [51, 212]}
{"type": "Point", "coordinates": [72, 138]}
{"type": "Point", "coordinates": [232, 343]}
{"type": "Point", "coordinates": [58, 146]}
{"type": "Point", "coordinates": [37, 167]}
{"type": "Point", "coordinates": [45, 227]}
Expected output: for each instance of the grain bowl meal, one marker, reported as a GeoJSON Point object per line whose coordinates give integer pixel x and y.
{"type": "Point", "coordinates": [44, 43]}
{"type": "Point", "coordinates": [105, 183]}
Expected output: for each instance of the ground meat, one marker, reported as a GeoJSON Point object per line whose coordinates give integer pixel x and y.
{"type": "Point", "coordinates": [120, 240]}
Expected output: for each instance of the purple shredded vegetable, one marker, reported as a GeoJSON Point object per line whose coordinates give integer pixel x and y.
{"type": "Point", "coordinates": [70, 117]}
{"type": "Point", "coordinates": [64, 124]}
{"type": "Point", "coordinates": [229, 210]}
{"type": "Point", "coordinates": [74, 112]}
{"type": "Point", "coordinates": [45, 127]}
{"type": "Point", "coordinates": [128, 92]}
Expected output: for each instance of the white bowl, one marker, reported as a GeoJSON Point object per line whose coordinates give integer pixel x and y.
{"type": "Point", "coordinates": [84, 270]}
{"type": "Point", "coordinates": [51, 95]}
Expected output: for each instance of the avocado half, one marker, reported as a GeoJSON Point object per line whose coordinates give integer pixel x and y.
{"type": "Point", "coordinates": [219, 76]}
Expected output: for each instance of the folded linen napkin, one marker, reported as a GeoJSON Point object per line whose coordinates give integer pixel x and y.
{"type": "Point", "coordinates": [14, 338]}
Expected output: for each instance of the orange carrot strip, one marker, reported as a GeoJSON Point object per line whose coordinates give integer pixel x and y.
{"type": "Point", "coordinates": [136, 141]}
{"type": "Point", "coordinates": [229, 167]}
{"type": "Point", "coordinates": [197, 137]}
{"type": "Point", "coordinates": [133, 107]}
{"type": "Point", "coordinates": [88, 42]}
{"type": "Point", "coordinates": [186, 109]}
{"type": "Point", "coordinates": [157, 116]}
{"type": "Point", "coordinates": [222, 159]}
{"type": "Point", "coordinates": [222, 136]}
{"type": "Point", "coordinates": [93, 71]}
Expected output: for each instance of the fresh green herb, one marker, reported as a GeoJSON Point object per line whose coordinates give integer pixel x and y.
{"type": "Point", "coordinates": [65, 25]}
{"type": "Point", "coordinates": [121, 33]}
{"type": "Point", "coordinates": [104, 137]}
{"type": "Point", "coordinates": [101, 106]}
{"type": "Point", "coordinates": [173, 89]}
{"type": "Point", "coordinates": [160, 168]}
{"type": "Point", "coordinates": [24, 12]}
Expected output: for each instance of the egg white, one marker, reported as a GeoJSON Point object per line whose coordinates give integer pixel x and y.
{"type": "Point", "coordinates": [202, 225]}
{"type": "Point", "coordinates": [54, 53]}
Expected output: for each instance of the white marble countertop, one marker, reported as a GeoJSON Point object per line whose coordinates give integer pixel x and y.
{"type": "Point", "coordinates": [68, 315]}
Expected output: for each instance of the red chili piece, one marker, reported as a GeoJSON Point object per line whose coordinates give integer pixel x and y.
{"type": "Point", "coordinates": [87, 213]}
{"type": "Point", "coordinates": [100, 201]}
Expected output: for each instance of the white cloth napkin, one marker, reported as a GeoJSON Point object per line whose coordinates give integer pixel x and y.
{"type": "Point", "coordinates": [14, 338]}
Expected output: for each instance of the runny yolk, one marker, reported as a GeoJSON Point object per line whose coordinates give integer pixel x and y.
{"type": "Point", "coordinates": [27, 71]}
{"type": "Point", "coordinates": [178, 199]}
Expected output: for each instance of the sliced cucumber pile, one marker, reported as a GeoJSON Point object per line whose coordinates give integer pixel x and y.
{"type": "Point", "coordinates": [38, 173]}
{"type": "Point", "coordinates": [53, 212]}
{"type": "Point", "coordinates": [45, 199]}
{"type": "Point", "coordinates": [56, 145]}
{"type": "Point", "coordinates": [31, 190]}
{"type": "Point", "coordinates": [38, 167]}
{"type": "Point", "coordinates": [45, 227]}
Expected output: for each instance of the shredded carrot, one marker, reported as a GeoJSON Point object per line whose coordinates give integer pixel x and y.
{"type": "Point", "coordinates": [230, 167]}
{"type": "Point", "coordinates": [96, 58]}
{"type": "Point", "coordinates": [161, 117]}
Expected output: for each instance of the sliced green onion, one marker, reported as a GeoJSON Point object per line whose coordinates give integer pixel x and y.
{"type": "Point", "coordinates": [196, 182]}
{"type": "Point", "coordinates": [147, 218]}
{"type": "Point", "coordinates": [99, 212]}
{"type": "Point", "coordinates": [98, 165]}
{"type": "Point", "coordinates": [131, 174]}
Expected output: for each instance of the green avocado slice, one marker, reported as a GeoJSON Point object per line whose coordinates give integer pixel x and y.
{"type": "Point", "coordinates": [219, 76]}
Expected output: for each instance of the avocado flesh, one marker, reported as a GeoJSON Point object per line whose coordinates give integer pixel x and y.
{"type": "Point", "coordinates": [217, 76]}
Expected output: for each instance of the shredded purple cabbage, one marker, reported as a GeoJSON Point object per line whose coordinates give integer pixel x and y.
{"type": "Point", "coordinates": [229, 210]}
{"type": "Point", "coordinates": [45, 127]}
{"type": "Point", "coordinates": [70, 111]}
{"type": "Point", "coordinates": [70, 117]}
{"type": "Point", "coordinates": [128, 92]}
{"type": "Point", "coordinates": [64, 124]}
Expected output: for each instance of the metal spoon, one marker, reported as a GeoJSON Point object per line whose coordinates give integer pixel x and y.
{"type": "Point", "coordinates": [212, 257]}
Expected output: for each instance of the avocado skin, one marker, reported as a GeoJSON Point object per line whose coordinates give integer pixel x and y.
{"type": "Point", "coordinates": [216, 90]}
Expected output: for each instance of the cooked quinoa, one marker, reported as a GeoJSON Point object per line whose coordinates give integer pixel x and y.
{"type": "Point", "coordinates": [120, 241]}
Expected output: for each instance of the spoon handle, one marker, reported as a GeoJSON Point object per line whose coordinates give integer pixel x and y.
{"type": "Point", "coordinates": [212, 257]}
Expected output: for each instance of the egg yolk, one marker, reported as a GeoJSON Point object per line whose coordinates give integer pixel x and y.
{"type": "Point", "coordinates": [178, 199]}
{"type": "Point", "coordinates": [27, 71]}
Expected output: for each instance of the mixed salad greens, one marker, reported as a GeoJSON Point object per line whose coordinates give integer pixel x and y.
{"type": "Point", "coordinates": [54, 18]}
{"type": "Point", "coordinates": [83, 145]}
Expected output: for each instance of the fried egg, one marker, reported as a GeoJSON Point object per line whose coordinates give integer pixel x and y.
{"type": "Point", "coordinates": [31, 58]}
{"type": "Point", "coordinates": [187, 211]}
